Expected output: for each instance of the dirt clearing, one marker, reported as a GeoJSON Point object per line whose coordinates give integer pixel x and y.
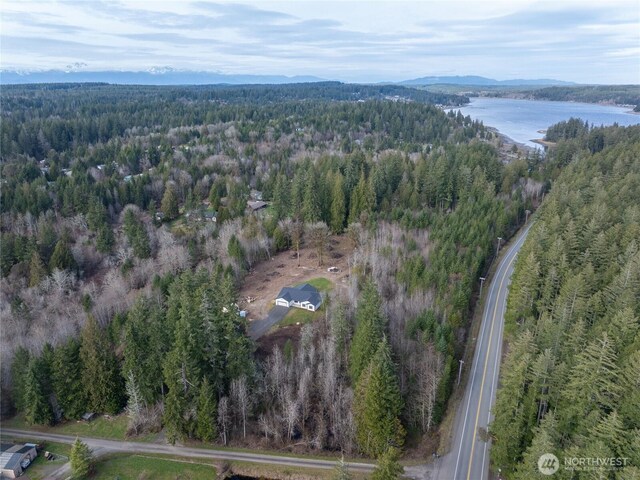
{"type": "Point", "coordinates": [263, 283]}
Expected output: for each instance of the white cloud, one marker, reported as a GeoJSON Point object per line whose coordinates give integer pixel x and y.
{"type": "Point", "coordinates": [349, 40]}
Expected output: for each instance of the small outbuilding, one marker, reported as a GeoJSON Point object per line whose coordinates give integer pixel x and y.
{"type": "Point", "coordinates": [303, 296]}
{"type": "Point", "coordinates": [89, 416]}
{"type": "Point", "coordinates": [14, 459]}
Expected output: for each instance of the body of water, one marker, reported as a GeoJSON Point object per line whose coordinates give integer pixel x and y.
{"type": "Point", "coordinates": [521, 120]}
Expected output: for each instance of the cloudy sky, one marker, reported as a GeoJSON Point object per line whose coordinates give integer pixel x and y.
{"type": "Point", "coordinates": [587, 41]}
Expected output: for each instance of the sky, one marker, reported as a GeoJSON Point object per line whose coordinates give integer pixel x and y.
{"type": "Point", "coordinates": [586, 41]}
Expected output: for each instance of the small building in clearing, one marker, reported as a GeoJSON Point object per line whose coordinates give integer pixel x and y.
{"type": "Point", "coordinates": [303, 296]}
{"type": "Point", "coordinates": [14, 459]}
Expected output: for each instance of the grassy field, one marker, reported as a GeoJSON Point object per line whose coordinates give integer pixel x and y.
{"type": "Point", "coordinates": [142, 467]}
{"type": "Point", "coordinates": [297, 316]}
{"type": "Point", "coordinates": [101, 427]}
{"type": "Point", "coordinates": [321, 283]}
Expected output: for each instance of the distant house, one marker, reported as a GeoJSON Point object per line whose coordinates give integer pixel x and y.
{"type": "Point", "coordinates": [255, 205]}
{"type": "Point", "coordinates": [210, 216]}
{"type": "Point", "coordinates": [14, 459]}
{"type": "Point", "coordinates": [303, 296]}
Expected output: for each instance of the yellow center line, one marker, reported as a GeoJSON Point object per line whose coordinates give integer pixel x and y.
{"type": "Point", "coordinates": [486, 362]}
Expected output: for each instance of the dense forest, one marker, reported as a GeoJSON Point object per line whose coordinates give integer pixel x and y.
{"type": "Point", "coordinates": [570, 384]}
{"type": "Point", "coordinates": [116, 298]}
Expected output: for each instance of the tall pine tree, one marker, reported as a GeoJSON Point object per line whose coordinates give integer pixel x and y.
{"type": "Point", "coordinates": [101, 378]}
{"type": "Point", "coordinates": [378, 405]}
{"type": "Point", "coordinates": [370, 324]}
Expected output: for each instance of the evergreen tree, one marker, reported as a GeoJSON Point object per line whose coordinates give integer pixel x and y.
{"type": "Point", "coordinates": [169, 204]}
{"type": "Point", "coordinates": [388, 467]}
{"type": "Point", "coordinates": [340, 328]}
{"type": "Point", "coordinates": [378, 405]}
{"type": "Point", "coordinates": [37, 410]}
{"type": "Point", "coordinates": [311, 210]}
{"type": "Point", "coordinates": [362, 200]}
{"type": "Point", "coordinates": [544, 441]}
{"type": "Point", "coordinates": [67, 370]}
{"type": "Point", "coordinates": [100, 376]}
{"type": "Point", "coordinates": [62, 258]}
{"type": "Point", "coordinates": [508, 428]}
{"type": "Point", "coordinates": [81, 459]}
{"type": "Point", "coordinates": [19, 369]}
{"type": "Point", "coordinates": [338, 204]}
{"type": "Point", "coordinates": [105, 239]}
{"type": "Point", "coordinates": [281, 201]}
{"type": "Point", "coordinates": [97, 215]}
{"type": "Point", "coordinates": [370, 325]}
{"type": "Point", "coordinates": [207, 413]}
{"type": "Point", "coordinates": [236, 251]}
{"type": "Point", "coordinates": [37, 270]}
{"type": "Point", "coordinates": [297, 197]}
{"type": "Point", "coordinates": [137, 235]}
{"type": "Point", "coordinates": [144, 346]}
{"type": "Point", "coordinates": [174, 410]}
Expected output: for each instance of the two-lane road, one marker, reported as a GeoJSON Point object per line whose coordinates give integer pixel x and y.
{"type": "Point", "coordinates": [469, 455]}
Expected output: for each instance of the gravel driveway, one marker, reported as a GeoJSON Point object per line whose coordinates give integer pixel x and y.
{"type": "Point", "coordinates": [257, 328]}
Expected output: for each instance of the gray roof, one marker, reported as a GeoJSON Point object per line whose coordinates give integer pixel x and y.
{"type": "Point", "coordinates": [256, 205]}
{"type": "Point", "coordinates": [11, 455]}
{"type": "Point", "coordinates": [10, 461]}
{"type": "Point", "coordinates": [302, 293]}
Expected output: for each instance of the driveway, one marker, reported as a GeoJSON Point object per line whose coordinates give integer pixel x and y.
{"type": "Point", "coordinates": [257, 328]}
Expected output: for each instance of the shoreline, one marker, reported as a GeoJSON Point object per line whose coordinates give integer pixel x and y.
{"type": "Point", "coordinates": [543, 142]}
{"type": "Point", "coordinates": [510, 141]}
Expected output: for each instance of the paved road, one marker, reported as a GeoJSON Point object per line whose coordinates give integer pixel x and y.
{"type": "Point", "coordinates": [188, 452]}
{"type": "Point", "coordinates": [470, 452]}
{"type": "Point", "coordinates": [257, 328]}
{"type": "Point", "coordinates": [469, 455]}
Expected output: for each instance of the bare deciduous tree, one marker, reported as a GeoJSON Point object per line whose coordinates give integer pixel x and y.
{"type": "Point", "coordinates": [318, 235]}
{"type": "Point", "coordinates": [224, 418]}
{"type": "Point", "coordinates": [241, 401]}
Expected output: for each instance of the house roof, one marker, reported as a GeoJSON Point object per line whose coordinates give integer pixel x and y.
{"type": "Point", "coordinates": [256, 205]}
{"type": "Point", "coordinates": [301, 293]}
{"type": "Point", "coordinates": [11, 455]}
{"type": "Point", "coordinates": [9, 461]}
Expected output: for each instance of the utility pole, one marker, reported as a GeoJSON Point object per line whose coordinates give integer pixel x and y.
{"type": "Point", "coordinates": [460, 371]}
{"type": "Point", "coordinates": [526, 218]}
{"type": "Point", "coordinates": [482, 279]}
{"type": "Point", "coordinates": [498, 250]}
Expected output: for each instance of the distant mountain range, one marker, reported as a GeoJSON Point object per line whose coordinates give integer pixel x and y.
{"type": "Point", "coordinates": [153, 76]}
{"type": "Point", "coordinates": [474, 80]}
{"type": "Point", "coordinates": [169, 76]}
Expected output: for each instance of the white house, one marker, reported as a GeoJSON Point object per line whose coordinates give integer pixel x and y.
{"type": "Point", "coordinates": [303, 296]}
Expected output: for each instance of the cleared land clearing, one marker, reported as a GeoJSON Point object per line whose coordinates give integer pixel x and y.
{"type": "Point", "coordinates": [263, 283]}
